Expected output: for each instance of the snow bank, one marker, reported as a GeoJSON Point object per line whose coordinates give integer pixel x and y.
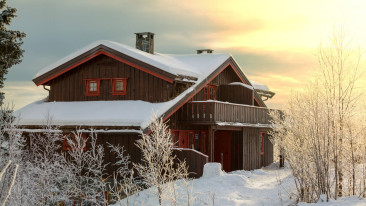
{"type": "Point", "coordinates": [212, 169]}
{"type": "Point", "coordinates": [268, 186]}
{"type": "Point", "coordinates": [258, 187]}
{"type": "Point", "coordinates": [349, 201]}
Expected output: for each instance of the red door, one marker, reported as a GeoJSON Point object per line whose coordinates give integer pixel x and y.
{"type": "Point", "coordinates": [222, 146]}
{"type": "Point", "coordinates": [183, 139]}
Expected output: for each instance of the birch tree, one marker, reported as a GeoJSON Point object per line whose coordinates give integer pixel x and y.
{"type": "Point", "coordinates": [317, 131]}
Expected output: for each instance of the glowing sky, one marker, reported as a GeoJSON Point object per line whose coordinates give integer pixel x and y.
{"type": "Point", "coordinates": [273, 41]}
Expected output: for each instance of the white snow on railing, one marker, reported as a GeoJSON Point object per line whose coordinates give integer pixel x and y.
{"type": "Point", "coordinates": [188, 149]}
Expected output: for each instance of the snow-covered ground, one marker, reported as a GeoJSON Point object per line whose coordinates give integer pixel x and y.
{"type": "Point", "coordinates": [266, 186]}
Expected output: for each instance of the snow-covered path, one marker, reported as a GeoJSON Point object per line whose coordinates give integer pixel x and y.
{"type": "Point", "coordinates": [266, 186]}
{"type": "Point", "coordinates": [258, 187]}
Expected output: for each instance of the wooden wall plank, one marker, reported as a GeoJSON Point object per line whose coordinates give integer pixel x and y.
{"type": "Point", "coordinates": [140, 85]}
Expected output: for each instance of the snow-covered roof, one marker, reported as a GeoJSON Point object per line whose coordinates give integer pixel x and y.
{"type": "Point", "coordinates": [242, 84]}
{"type": "Point", "coordinates": [192, 65]}
{"type": "Point", "coordinates": [259, 86]}
{"type": "Point", "coordinates": [90, 113]}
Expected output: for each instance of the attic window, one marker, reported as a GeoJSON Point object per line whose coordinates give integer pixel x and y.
{"type": "Point", "coordinates": [92, 87]}
{"type": "Point", "coordinates": [119, 86]}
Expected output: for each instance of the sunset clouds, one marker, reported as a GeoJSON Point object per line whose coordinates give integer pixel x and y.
{"type": "Point", "coordinates": [275, 42]}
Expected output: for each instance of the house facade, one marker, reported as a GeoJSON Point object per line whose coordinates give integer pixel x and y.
{"type": "Point", "coordinates": [211, 107]}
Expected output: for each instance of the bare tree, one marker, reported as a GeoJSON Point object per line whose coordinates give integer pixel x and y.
{"type": "Point", "coordinates": [158, 169]}
{"type": "Point", "coordinates": [11, 153]}
{"type": "Point", "coordinates": [318, 126]}
{"type": "Point", "coordinates": [124, 182]}
{"type": "Point", "coordinates": [86, 183]}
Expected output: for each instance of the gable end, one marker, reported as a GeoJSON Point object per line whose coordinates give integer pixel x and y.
{"type": "Point", "coordinates": [229, 62]}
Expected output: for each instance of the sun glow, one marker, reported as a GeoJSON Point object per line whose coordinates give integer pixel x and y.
{"type": "Point", "coordinates": [273, 27]}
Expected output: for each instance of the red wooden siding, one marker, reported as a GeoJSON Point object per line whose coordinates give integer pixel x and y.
{"type": "Point", "coordinates": [227, 76]}
{"type": "Point", "coordinates": [140, 85]}
{"type": "Point", "coordinates": [235, 94]}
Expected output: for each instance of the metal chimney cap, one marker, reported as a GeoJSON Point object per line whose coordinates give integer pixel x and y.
{"type": "Point", "coordinates": [209, 51]}
{"type": "Point", "coordinates": [144, 33]}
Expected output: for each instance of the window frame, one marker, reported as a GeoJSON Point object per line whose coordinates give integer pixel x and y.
{"type": "Point", "coordinates": [87, 86]}
{"type": "Point", "coordinates": [67, 147]}
{"type": "Point", "coordinates": [207, 92]}
{"type": "Point", "coordinates": [117, 92]}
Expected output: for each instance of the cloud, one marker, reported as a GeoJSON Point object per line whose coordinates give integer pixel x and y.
{"type": "Point", "coordinates": [21, 93]}
{"type": "Point", "coordinates": [267, 38]}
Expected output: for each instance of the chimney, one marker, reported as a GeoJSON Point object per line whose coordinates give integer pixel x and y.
{"type": "Point", "coordinates": [145, 42]}
{"type": "Point", "coordinates": [208, 51]}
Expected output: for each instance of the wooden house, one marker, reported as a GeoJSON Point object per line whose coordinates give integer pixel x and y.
{"type": "Point", "coordinates": [210, 105]}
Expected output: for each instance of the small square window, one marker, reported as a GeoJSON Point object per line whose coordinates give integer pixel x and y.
{"type": "Point", "coordinates": [92, 87]}
{"type": "Point", "coordinates": [119, 86]}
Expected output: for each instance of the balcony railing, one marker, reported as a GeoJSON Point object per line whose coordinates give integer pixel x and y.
{"type": "Point", "coordinates": [194, 160]}
{"type": "Point", "coordinates": [215, 111]}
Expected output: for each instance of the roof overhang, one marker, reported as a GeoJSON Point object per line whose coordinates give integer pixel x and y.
{"type": "Point", "coordinates": [101, 49]}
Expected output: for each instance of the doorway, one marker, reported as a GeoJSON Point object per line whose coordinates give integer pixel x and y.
{"type": "Point", "coordinates": [183, 140]}
{"type": "Point", "coordinates": [222, 146]}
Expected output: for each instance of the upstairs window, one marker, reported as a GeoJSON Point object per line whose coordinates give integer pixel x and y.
{"type": "Point", "coordinates": [209, 92]}
{"type": "Point", "coordinates": [92, 87]}
{"type": "Point", "coordinates": [119, 86]}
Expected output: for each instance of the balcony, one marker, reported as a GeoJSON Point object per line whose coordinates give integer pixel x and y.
{"type": "Point", "coordinates": [216, 112]}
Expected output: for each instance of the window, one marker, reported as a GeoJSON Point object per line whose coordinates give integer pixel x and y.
{"type": "Point", "coordinates": [92, 87]}
{"type": "Point", "coordinates": [119, 86]}
{"type": "Point", "coordinates": [209, 92]}
{"type": "Point", "coordinates": [66, 146]}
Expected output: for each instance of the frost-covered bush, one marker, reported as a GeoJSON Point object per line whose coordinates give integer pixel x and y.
{"type": "Point", "coordinates": [321, 132]}
{"type": "Point", "coordinates": [158, 169]}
